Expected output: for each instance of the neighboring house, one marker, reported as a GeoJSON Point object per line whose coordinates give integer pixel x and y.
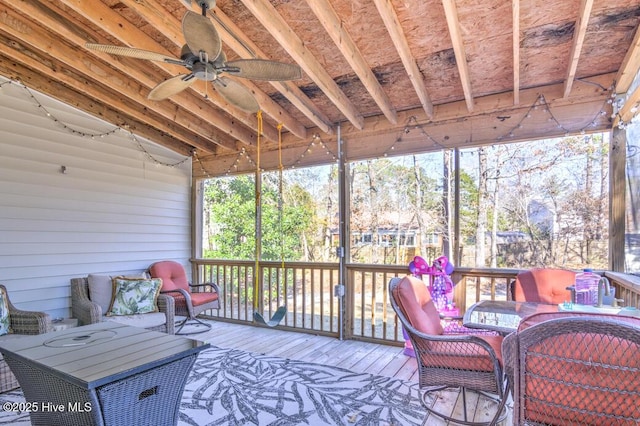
{"type": "Point", "coordinates": [543, 217]}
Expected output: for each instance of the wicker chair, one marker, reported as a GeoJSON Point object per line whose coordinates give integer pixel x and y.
{"type": "Point", "coordinates": [543, 285]}
{"type": "Point", "coordinates": [462, 361]}
{"type": "Point", "coordinates": [575, 370]}
{"type": "Point", "coordinates": [88, 312]}
{"type": "Point", "coordinates": [21, 323]}
{"type": "Point", "coordinates": [188, 304]}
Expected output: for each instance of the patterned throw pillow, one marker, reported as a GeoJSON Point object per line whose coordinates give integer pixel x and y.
{"type": "Point", "coordinates": [134, 296]}
{"type": "Point", "coordinates": [4, 312]}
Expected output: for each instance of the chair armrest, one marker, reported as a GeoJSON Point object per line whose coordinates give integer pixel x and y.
{"type": "Point", "coordinates": [185, 294]}
{"type": "Point", "coordinates": [82, 308]}
{"type": "Point", "coordinates": [461, 338]}
{"type": "Point", "coordinates": [215, 287]}
{"type": "Point", "coordinates": [29, 322]}
{"type": "Point", "coordinates": [167, 305]}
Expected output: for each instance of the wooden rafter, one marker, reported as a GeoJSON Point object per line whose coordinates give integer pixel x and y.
{"type": "Point", "coordinates": [101, 80]}
{"type": "Point", "coordinates": [453, 23]}
{"type": "Point", "coordinates": [579, 34]}
{"type": "Point", "coordinates": [44, 41]}
{"type": "Point", "coordinates": [631, 107]}
{"type": "Point", "coordinates": [342, 39]}
{"type": "Point", "coordinates": [390, 19]}
{"type": "Point", "coordinates": [289, 40]}
{"type": "Point", "coordinates": [245, 48]}
{"type": "Point", "coordinates": [630, 66]}
{"type": "Point", "coordinates": [104, 17]}
{"type": "Point", "coordinates": [34, 79]}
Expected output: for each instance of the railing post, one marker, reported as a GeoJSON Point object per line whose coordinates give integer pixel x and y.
{"type": "Point", "coordinates": [459, 291]}
{"type": "Point", "coordinates": [343, 289]}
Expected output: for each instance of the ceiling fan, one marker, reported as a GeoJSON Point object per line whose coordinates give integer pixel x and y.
{"type": "Point", "coordinates": [204, 58]}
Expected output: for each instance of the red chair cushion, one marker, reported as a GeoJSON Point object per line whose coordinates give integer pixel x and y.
{"type": "Point", "coordinates": [544, 286]}
{"type": "Point", "coordinates": [415, 300]}
{"type": "Point", "coordinates": [172, 274]}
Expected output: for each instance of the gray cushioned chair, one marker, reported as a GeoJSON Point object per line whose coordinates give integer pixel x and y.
{"type": "Point", "coordinates": [21, 323]}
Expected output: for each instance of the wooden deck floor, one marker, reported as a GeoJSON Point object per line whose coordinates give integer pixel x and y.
{"type": "Point", "coordinates": [357, 356]}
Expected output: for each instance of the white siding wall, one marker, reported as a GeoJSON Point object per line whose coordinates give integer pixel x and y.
{"type": "Point", "coordinates": [114, 211]}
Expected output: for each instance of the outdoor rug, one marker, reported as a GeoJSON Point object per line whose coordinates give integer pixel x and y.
{"type": "Point", "coordinates": [232, 387]}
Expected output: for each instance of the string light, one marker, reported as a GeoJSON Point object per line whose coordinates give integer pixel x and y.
{"type": "Point", "coordinates": [412, 124]}
{"type": "Point", "coordinates": [195, 156]}
{"type": "Point", "coordinates": [91, 135]}
{"type": "Point", "coordinates": [315, 139]}
{"type": "Point", "coordinates": [316, 143]}
{"type": "Point", "coordinates": [539, 104]}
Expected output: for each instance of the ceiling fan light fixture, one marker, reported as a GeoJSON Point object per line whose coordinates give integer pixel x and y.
{"type": "Point", "coordinates": [204, 71]}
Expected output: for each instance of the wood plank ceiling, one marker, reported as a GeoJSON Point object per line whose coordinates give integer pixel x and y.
{"type": "Point", "coordinates": [385, 75]}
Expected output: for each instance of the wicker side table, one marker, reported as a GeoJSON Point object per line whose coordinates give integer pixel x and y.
{"type": "Point", "coordinates": [103, 374]}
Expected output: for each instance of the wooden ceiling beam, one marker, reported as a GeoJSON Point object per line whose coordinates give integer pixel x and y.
{"type": "Point", "coordinates": [515, 8]}
{"type": "Point", "coordinates": [113, 23]}
{"type": "Point", "coordinates": [630, 66]}
{"type": "Point", "coordinates": [430, 136]}
{"type": "Point", "coordinates": [391, 22]}
{"type": "Point", "coordinates": [631, 107]}
{"type": "Point", "coordinates": [342, 39]}
{"type": "Point", "coordinates": [500, 104]}
{"type": "Point", "coordinates": [289, 40]}
{"type": "Point", "coordinates": [157, 16]}
{"type": "Point", "coordinates": [455, 33]}
{"type": "Point", "coordinates": [579, 33]}
{"type": "Point", "coordinates": [33, 34]}
{"type": "Point", "coordinates": [245, 48]}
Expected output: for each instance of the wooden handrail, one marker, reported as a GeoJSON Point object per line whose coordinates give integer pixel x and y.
{"type": "Point", "coordinates": [308, 291]}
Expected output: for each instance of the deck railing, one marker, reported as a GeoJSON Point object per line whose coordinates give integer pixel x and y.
{"type": "Point", "coordinates": [308, 290]}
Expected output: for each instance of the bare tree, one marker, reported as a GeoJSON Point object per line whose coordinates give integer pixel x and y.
{"type": "Point", "coordinates": [483, 195]}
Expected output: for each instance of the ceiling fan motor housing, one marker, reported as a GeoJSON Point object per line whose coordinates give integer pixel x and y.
{"type": "Point", "coordinates": [204, 71]}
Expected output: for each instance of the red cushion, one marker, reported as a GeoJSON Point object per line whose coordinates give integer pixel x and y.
{"type": "Point", "coordinates": [415, 301]}
{"type": "Point", "coordinates": [544, 286]}
{"type": "Point", "coordinates": [172, 274]}
{"type": "Point", "coordinates": [198, 299]}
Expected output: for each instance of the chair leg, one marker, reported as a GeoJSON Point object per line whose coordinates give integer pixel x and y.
{"type": "Point", "coordinates": [202, 326]}
{"type": "Point", "coordinates": [500, 415]}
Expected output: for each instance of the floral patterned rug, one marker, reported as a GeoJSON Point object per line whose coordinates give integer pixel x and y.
{"type": "Point", "coordinates": [232, 387]}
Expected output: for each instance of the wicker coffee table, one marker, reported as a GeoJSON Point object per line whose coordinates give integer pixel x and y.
{"type": "Point", "coordinates": [102, 374]}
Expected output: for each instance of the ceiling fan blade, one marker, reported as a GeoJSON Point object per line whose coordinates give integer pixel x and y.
{"type": "Point", "coordinates": [262, 69]}
{"type": "Point", "coordinates": [171, 86]}
{"type": "Point", "coordinates": [201, 35]}
{"type": "Point", "coordinates": [131, 52]}
{"type": "Point", "coordinates": [236, 94]}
